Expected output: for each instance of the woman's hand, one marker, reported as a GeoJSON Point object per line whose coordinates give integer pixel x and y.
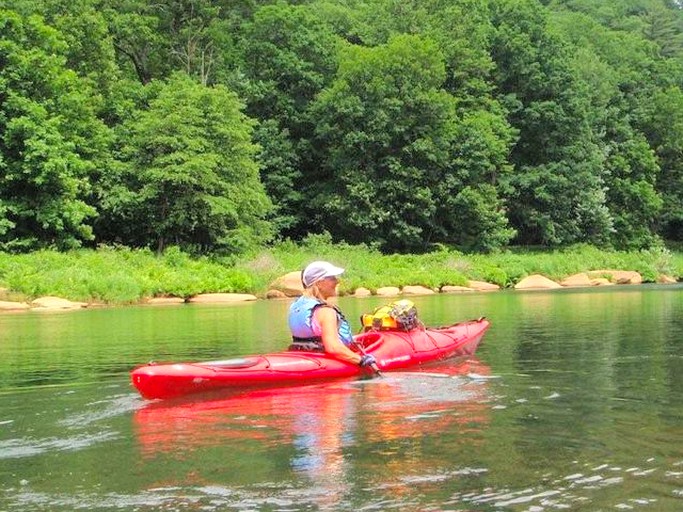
{"type": "Point", "coordinates": [368, 360]}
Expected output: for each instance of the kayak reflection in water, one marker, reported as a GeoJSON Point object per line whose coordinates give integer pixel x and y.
{"type": "Point", "coordinates": [317, 325]}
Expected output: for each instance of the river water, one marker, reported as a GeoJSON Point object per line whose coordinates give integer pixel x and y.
{"type": "Point", "coordinates": [574, 402]}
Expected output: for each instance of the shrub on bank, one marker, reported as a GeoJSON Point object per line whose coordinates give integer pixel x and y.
{"type": "Point", "coordinates": [119, 275]}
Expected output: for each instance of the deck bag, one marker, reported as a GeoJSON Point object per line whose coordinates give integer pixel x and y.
{"type": "Point", "coordinates": [400, 315]}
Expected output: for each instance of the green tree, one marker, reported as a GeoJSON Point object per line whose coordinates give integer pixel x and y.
{"type": "Point", "coordinates": [557, 189]}
{"type": "Point", "coordinates": [288, 57]}
{"type": "Point", "coordinates": [632, 197]}
{"type": "Point", "coordinates": [50, 139]}
{"type": "Point", "coordinates": [480, 216]}
{"type": "Point", "coordinates": [396, 152]}
{"type": "Point", "coordinates": [89, 46]}
{"type": "Point", "coordinates": [198, 37]}
{"type": "Point", "coordinates": [664, 26]}
{"type": "Point", "coordinates": [613, 64]}
{"type": "Point", "coordinates": [664, 127]}
{"type": "Point", "coordinates": [463, 31]}
{"type": "Point", "coordinates": [281, 175]}
{"type": "Point", "coordinates": [141, 45]}
{"type": "Point", "coordinates": [188, 175]}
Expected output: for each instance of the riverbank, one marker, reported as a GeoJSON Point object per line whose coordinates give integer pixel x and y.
{"type": "Point", "coordinates": [118, 276]}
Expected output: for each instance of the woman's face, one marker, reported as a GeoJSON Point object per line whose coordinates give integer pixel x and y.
{"type": "Point", "coordinates": [328, 286]}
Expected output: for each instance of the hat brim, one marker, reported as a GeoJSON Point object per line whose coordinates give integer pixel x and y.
{"type": "Point", "coordinates": [333, 272]}
{"type": "Point", "coordinates": [319, 270]}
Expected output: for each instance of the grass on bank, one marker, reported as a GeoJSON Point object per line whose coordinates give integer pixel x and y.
{"type": "Point", "coordinates": [124, 276]}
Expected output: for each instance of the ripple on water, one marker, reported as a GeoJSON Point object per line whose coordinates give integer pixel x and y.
{"type": "Point", "coordinates": [568, 492]}
{"type": "Point", "coordinates": [208, 498]}
{"type": "Point", "coordinates": [102, 410]}
{"type": "Point", "coordinates": [147, 500]}
{"type": "Point", "coordinates": [26, 447]}
{"type": "Point", "coordinates": [582, 489]}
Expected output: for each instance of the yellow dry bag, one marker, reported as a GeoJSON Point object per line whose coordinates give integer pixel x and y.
{"type": "Point", "coordinates": [400, 315]}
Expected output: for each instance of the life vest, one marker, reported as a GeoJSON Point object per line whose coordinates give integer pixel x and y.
{"type": "Point", "coordinates": [306, 334]}
{"type": "Point", "coordinates": [400, 315]}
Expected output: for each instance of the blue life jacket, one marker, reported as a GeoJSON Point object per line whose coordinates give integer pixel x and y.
{"type": "Point", "coordinates": [300, 323]}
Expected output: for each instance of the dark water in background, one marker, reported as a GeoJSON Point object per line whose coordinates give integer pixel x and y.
{"type": "Point", "coordinates": [575, 402]}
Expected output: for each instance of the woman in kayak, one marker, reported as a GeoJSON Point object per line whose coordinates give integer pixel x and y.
{"type": "Point", "coordinates": [317, 325]}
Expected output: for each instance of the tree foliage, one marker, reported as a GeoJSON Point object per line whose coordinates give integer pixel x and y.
{"type": "Point", "coordinates": [187, 175]}
{"type": "Point", "coordinates": [50, 139]}
{"type": "Point", "coordinates": [217, 125]}
{"type": "Point", "coordinates": [397, 151]}
{"type": "Point", "coordinates": [301, 54]}
{"type": "Point", "coordinates": [664, 128]}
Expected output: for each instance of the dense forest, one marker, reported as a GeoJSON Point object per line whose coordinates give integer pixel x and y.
{"type": "Point", "coordinates": [218, 126]}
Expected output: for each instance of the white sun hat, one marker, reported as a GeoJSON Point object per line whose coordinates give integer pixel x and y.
{"type": "Point", "coordinates": [319, 270]}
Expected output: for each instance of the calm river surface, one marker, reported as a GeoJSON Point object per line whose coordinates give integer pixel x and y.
{"type": "Point", "coordinates": [575, 402]}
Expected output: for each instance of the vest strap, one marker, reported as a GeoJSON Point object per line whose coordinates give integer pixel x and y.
{"type": "Point", "coordinates": [313, 344]}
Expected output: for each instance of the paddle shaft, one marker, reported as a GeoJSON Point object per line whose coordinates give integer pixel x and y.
{"type": "Point", "coordinates": [374, 366]}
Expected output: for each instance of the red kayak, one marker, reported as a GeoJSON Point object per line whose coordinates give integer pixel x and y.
{"type": "Point", "coordinates": [392, 349]}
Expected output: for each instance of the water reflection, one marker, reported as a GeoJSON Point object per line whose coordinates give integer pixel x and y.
{"type": "Point", "coordinates": [320, 428]}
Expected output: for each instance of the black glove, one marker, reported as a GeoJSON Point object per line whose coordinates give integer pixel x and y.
{"type": "Point", "coordinates": [367, 360]}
